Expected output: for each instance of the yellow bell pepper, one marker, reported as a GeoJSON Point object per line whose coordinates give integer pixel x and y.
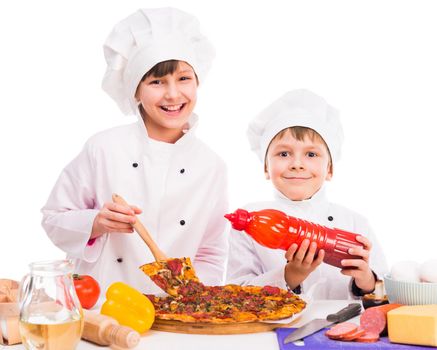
{"type": "Point", "coordinates": [129, 307]}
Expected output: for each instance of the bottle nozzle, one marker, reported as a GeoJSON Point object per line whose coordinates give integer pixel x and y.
{"type": "Point", "coordinates": [238, 219]}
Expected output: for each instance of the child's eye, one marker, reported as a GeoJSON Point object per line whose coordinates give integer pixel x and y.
{"type": "Point", "coordinates": [185, 78]}
{"type": "Point", "coordinates": [312, 154]}
{"type": "Point", "coordinates": [155, 82]}
{"type": "Point", "coordinates": [283, 154]}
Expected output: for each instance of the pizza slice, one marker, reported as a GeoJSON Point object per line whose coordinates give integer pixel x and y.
{"type": "Point", "coordinates": [172, 275]}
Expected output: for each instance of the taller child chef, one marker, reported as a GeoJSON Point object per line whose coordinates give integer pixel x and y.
{"type": "Point", "coordinates": [155, 61]}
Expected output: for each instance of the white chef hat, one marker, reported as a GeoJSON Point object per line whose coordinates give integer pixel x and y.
{"type": "Point", "coordinates": [146, 38]}
{"type": "Point", "coordinates": [296, 108]}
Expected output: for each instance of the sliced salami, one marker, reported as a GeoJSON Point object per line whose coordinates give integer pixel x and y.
{"type": "Point", "coordinates": [374, 319]}
{"type": "Point", "coordinates": [358, 333]}
{"type": "Point", "coordinates": [341, 330]}
{"type": "Point", "coordinates": [368, 337]}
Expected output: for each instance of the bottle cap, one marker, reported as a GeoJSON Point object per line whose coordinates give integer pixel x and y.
{"type": "Point", "coordinates": [238, 219]}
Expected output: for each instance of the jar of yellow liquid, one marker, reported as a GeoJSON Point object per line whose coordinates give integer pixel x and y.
{"type": "Point", "coordinates": [51, 316]}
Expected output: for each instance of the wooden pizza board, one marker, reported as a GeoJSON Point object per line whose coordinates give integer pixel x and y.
{"type": "Point", "coordinates": [225, 328]}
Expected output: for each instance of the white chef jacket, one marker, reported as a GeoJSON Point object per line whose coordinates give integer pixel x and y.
{"type": "Point", "coordinates": [251, 263]}
{"type": "Point", "coordinates": [181, 189]}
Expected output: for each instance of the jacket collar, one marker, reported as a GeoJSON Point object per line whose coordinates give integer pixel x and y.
{"type": "Point", "coordinates": [189, 133]}
{"type": "Point", "coordinates": [316, 201]}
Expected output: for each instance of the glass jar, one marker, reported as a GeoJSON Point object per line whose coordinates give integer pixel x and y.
{"type": "Point", "coordinates": [51, 316]}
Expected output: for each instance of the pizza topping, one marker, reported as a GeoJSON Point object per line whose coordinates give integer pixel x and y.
{"type": "Point", "coordinates": [215, 290]}
{"type": "Point", "coordinates": [188, 309]}
{"type": "Point", "coordinates": [175, 266]}
{"type": "Point", "coordinates": [270, 304]}
{"type": "Point", "coordinates": [173, 305]}
{"type": "Point", "coordinates": [207, 297]}
{"type": "Point", "coordinates": [160, 282]}
{"type": "Point", "coordinates": [191, 288]}
{"type": "Point", "coordinates": [251, 306]}
{"type": "Point", "coordinates": [269, 290]}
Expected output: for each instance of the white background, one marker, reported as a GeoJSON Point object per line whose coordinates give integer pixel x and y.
{"type": "Point", "coordinates": [373, 60]}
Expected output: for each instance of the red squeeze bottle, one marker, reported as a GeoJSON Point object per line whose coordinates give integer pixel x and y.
{"type": "Point", "coordinates": [275, 229]}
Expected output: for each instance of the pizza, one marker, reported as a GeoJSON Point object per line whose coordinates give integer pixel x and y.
{"type": "Point", "coordinates": [191, 301]}
{"type": "Point", "coordinates": [227, 304]}
{"type": "Point", "coordinates": [171, 274]}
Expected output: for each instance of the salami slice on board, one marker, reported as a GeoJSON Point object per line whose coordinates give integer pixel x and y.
{"type": "Point", "coordinates": [368, 337]}
{"type": "Point", "coordinates": [358, 333]}
{"type": "Point", "coordinates": [341, 330]}
{"type": "Point", "coordinates": [374, 319]}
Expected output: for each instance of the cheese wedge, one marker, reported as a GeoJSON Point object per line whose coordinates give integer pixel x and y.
{"type": "Point", "coordinates": [416, 324]}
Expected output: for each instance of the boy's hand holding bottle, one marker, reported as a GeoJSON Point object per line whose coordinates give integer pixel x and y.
{"type": "Point", "coordinates": [359, 269]}
{"type": "Point", "coordinates": [301, 261]}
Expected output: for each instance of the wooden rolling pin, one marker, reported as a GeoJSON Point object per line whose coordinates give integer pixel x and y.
{"type": "Point", "coordinates": [105, 330]}
{"type": "Point", "coordinates": [142, 231]}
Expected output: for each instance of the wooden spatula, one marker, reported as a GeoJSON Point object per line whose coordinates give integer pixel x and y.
{"type": "Point", "coordinates": [142, 231]}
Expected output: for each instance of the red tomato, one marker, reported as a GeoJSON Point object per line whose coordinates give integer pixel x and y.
{"type": "Point", "coordinates": [87, 289]}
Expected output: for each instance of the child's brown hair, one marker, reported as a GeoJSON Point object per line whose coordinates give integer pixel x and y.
{"type": "Point", "coordinates": [163, 68]}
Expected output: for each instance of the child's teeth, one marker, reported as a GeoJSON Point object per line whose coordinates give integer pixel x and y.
{"type": "Point", "coordinates": [172, 108]}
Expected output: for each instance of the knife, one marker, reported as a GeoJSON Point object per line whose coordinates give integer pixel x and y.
{"type": "Point", "coordinates": [313, 326]}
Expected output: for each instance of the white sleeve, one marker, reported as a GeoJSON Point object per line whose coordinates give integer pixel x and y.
{"type": "Point", "coordinates": [70, 210]}
{"type": "Point", "coordinates": [210, 258]}
{"type": "Point", "coordinates": [245, 266]}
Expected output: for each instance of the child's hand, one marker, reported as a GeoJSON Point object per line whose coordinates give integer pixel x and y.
{"type": "Point", "coordinates": [301, 262]}
{"type": "Point", "coordinates": [361, 272]}
{"type": "Point", "coordinates": [114, 218]}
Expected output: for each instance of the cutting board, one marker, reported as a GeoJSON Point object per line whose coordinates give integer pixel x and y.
{"type": "Point", "coordinates": [225, 328]}
{"type": "Point", "coordinates": [318, 341]}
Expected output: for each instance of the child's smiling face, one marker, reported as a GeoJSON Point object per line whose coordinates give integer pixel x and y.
{"type": "Point", "coordinates": [168, 102]}
{"type": "Point", "coordinates": [298, 168]}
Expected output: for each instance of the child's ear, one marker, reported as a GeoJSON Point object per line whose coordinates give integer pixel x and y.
{"type": "Point", "coordinates": [266, 172]}
{"type": "Point", "coordinates": [330, 173]}
{"type": "Point", "coordinates": [137, 92]}
{"type": "Point", "coordinates": [267, 175]}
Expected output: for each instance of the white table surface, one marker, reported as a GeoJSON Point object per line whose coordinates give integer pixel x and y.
{"type": "Point", "coordinates": [158, 340]}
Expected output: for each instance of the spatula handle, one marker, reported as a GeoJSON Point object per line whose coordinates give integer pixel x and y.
{"type": "Point", "coordinates": [142, 231]}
